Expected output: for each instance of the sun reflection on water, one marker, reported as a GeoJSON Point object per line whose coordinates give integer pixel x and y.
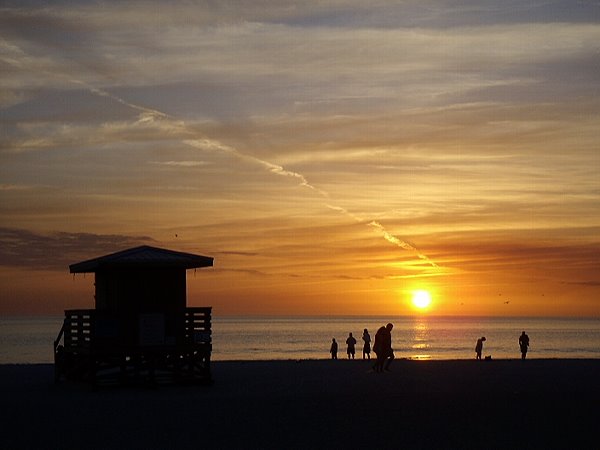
{"type": "Point", "coordinates": [420, 341]}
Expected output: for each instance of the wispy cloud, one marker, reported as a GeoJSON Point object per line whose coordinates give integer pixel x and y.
{"type": "Point", "coordinates": [180, 163]}
{"type": "Point", "coordinates": [55, 251]}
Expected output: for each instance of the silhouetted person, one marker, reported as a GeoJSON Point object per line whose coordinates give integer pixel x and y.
{"type": "Point", "coordinates": [334, 349]}
{"type": "Point", "coordinates": [383, 348]}
{"type": "Point", "coordinates": [351, 346]}
{"type": "Point", "coordinates": [524, 344]}
{"type": "Point", "coordinates": [378, 349]}
{"type": "Point", "coordinates": [479, 346]}
{"type": "Point", "coordinates": [366, 337]}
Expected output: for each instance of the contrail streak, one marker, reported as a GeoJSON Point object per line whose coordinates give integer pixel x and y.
{"type": "Point", "coordinates": [346, 213]}
{"type": "Point", "coordinates": [386, 234]}
{"type": "Point", "coordinates": [400, 243]}
{"type": "Point", "coordinates": [273, 168]}
{"type": "Point", "coordinates": [149, 115]}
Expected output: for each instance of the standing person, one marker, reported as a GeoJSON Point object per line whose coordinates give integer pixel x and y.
{"type": "Point", "coordinates": [351, 346]}
{"type": "Point", "coordinates": [366, 337]}
{"type": "Point", "coordinates": [524, 344]}
{"type": "Point", "coordinates": [479, 347]}
{"type": "Point", "coordinates": [383, 348]}
{"type": "Point", "coordinates": [334, 349]}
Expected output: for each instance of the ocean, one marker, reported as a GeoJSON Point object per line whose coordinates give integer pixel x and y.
{"type": "Point", "coordinates": [28, 340]}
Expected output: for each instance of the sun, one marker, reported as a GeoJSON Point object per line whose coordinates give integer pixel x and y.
{"type": "Point", "coordinates": [421, 299]}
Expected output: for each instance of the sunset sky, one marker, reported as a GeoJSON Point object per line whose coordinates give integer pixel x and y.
{"type": "Point", "coordinates": [332, 156]}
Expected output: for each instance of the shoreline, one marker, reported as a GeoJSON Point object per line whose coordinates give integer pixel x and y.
{"type": "Point", "coordinates": [343, 360]}
{"type": "Point", "coordinates": [536, 403]}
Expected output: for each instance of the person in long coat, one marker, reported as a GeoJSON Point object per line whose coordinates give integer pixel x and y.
{"type": "Point", "coordinates": [383, 348]}
{"type": "Point", "coordinates": [524, 344]}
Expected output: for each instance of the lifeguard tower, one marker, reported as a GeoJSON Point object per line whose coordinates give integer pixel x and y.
{"type": "Point", "coordinates": [141, 329]}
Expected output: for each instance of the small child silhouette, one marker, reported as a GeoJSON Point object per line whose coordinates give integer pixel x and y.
{"type": "Point", "coordinates": [334, 349]}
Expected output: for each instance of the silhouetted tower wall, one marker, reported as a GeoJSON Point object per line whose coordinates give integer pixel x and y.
{"type": "Point", "coordinates": [141, 293]}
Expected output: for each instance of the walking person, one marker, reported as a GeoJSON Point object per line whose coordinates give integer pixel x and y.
{"type": "Point", "coordinates": [366, 337]}
{"type": "Point", "coordinates": [524, 344]}
{"type": "Point", "coordinates": [383, 348]}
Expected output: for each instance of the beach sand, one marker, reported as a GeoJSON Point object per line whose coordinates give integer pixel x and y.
{"type": "Point", "coordinates": [313, 405]}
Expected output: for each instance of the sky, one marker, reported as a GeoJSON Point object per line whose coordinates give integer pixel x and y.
{"type": "Point", "coordinates": [332, 156]}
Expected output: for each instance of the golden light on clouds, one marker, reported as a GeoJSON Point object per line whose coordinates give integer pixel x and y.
{"type": "Point", "coordinates": [327, 161]}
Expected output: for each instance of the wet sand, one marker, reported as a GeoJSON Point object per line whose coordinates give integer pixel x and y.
{"type": "Point", "coordinates": [315, 404]}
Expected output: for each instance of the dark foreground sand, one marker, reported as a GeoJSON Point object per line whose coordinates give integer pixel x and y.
{"type": "Point", "coordinates": [315, 404]}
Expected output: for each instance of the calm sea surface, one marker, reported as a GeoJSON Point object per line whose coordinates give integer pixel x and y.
{"type": "Point", "coordinates": [29, 340]}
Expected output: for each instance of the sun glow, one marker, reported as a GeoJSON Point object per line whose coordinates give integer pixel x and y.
{"type": "Point", "coordinates": [421, 299]}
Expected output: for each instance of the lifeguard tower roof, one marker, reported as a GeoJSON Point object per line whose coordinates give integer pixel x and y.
{"type": "Point", "coordinates": [143, 257]}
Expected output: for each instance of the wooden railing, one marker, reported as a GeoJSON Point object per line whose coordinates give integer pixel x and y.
{"type": "Point", "coordinates": [198, 325]}
{"type": "Point", "coordinates": [79, 328]}
{"type": "Point", "coordinates": [93, 339]}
